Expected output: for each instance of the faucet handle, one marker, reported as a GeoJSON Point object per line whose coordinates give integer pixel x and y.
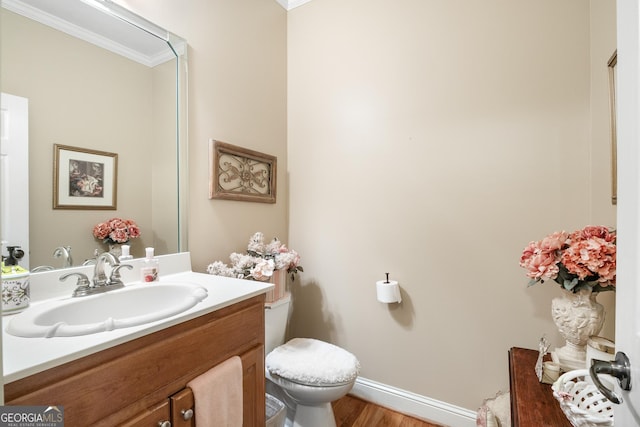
{"type": "Point", "coordinates": [82, 285]}
{"type": "Point", "coordinates": [83, 280]}
{"type": "Point", "coordinates": [115, 278]}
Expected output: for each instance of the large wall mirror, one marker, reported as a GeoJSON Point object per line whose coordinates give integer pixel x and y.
{"type": "Point", "coordinates": [98, 78]}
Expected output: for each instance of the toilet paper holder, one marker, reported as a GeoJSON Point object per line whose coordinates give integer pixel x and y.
{"type": "Point", "coordinates": [388, 291]}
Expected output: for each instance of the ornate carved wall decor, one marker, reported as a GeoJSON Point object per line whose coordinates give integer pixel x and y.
{"type": "Point", "coordinates": [237, 173]}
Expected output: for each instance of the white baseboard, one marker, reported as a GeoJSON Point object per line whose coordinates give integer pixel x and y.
{"type": "Point", "coordinates": [413, 404]}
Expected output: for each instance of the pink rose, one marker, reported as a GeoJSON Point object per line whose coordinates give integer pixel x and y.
{"type": "Point", "coordinates": [543, 266]}
{"type": "Point", "coordinates": [594, 231]}
{"type": "Point", "coordinates": [585, 257]}
{"type": "Point", "coordinates": [101, 231]}
{"type": "Point", "coordinates": [540, 264]}
{"type": "Point", "coordinates": [117, 229]}
{"type": "Point", "coordinates": [554, 241]}
{"type": "Point", "coordinates": [593, 257]}
{"type": "Point", "coordinates": [117, 224]}
{"type": "Point", "coordinates": [134, 231]}
{"type": "Point", "coordinates": [119, 235]}
{"type": "Point", "coordinates": [527, 253]}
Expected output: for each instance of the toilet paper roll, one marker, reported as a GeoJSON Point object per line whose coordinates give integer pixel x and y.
{"type": "Point", "coordinates": [388, 292]}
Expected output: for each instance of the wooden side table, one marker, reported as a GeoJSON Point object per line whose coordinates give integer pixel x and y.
{"type": "Point", "coordinates": [532, 402]}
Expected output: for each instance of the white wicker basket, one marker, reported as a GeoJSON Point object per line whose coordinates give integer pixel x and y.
{"type": "Point", "coordinates": [581, 401]}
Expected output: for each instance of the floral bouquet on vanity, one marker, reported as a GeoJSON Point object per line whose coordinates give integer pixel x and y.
{"type": "Point", "coordinates": [259, 262]}
{"type": "Point", "coordinates": [584, 259]}
{"type": "Point", "coordinates": [116, 231]}
{"type": "Point", "coordinates": [583, 263]}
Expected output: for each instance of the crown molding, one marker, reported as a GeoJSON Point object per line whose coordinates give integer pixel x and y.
{"type": "Point", "coordinates": [290, 4]}
{"type": "Point", "coordinates": [150, 60]}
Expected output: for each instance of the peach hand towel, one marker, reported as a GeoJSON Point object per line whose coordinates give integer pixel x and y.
{"type": "Point", "coordinates": [218, 395]}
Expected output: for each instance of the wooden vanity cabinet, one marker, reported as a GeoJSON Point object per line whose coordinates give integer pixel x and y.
{"type": "Point", "coordinates": [154, 416]}
{"type": "Point", "coordinates": [181, 403]}
{"type": "Point", "coordinates": [143, 382]}
{"type": "Point", "coordinates": [532, 402]}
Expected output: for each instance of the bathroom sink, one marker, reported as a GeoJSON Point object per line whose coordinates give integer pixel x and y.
{"type": "Point", "coordinates": [122, 308]}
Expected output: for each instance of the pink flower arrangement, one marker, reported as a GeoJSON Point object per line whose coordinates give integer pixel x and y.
{"type": "Point", "coordinates": [116, 230]}
{"type": "Point", "coordinates": [583, 259]}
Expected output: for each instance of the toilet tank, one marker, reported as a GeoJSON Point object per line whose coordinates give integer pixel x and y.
{"type": "Point", "coordinates": [276, 316]}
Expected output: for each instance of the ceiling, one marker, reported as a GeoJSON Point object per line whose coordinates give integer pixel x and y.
{"type": "Point", "coordinates": [84, 21]}
{"type": "Point", "coordinates": [290, 4]}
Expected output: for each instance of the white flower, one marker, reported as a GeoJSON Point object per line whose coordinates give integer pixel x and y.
{"type": "Point", "coordinates": [219, 268]}
{"type": "Point", "coordinates": [259, 262]}
{"type": "Point", "coordinates": [256, 243]}
{"type": "Point", "coordinates": [274, 247]}
{"type": "Point", "coordinates": [283, 260]}
{"type": "Point", "coordinates": [242, 261]}
{"type": "Point", "coordinates": [263, 270]}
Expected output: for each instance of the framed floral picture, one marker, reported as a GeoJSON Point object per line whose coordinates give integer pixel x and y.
{"type": "Point", "coordinates": [84, 178]}
{"type": "Point", "coordinates": [237, 173]}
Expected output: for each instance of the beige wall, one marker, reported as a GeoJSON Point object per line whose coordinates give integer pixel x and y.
{"type": "Point", "coordinates": [434, 140]}
{"type": "Point", "coordinates": [603, 44]}
{"type": "Point", "coordinates": [237, 94]}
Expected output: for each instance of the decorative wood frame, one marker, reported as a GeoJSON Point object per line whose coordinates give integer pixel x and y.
{"type": "Point", "coordinates": [613, 61]}
{"type": "Point", "coordinates": [84, 178]}
{"type": "Point", "coordinates": [237, 173]}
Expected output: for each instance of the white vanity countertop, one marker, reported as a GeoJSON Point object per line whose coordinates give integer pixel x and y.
{"type": "Point", "coordinates": [26, 356]}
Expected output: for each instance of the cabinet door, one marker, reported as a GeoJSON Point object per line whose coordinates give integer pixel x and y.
{"type": "Point", "coordinates": [253, 414]}
{"type": "Point", "coordinates": [182, 406]}
{"type": "Point", "coordinates": [154, 416]}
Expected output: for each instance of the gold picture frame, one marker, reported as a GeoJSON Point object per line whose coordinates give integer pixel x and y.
{"type": "Point", "coordinates": [611, 64]}
{"type": "Point", "coordinates": [84, 178]}
{"type": "Point", "coordinates": [237, 173]}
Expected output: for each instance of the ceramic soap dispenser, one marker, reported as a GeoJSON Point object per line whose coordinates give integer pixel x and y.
{"type": "Point", "coordinates": [15, 282]}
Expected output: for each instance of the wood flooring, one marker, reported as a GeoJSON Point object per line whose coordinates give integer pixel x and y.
{"type": "Point", "coordinates": [351, 411]}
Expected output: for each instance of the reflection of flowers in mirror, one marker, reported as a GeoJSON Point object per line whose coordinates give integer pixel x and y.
{"type": "Point", "coordinates": [259, 262]}
{"type": "Point", "coordinates": [116, 230]}
{"type": "Point", "coordinates": [584, 259]}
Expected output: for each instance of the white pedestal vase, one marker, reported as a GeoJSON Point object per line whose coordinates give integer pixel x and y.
{"type": "Point", "coordinates": [115, 249]}
{"type": "Point", "coordinates": [578, 316]}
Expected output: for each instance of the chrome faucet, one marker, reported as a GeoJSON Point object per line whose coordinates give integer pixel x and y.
{"type": "Point", "coordinates": [99, 276]}
{"type": "Point", "coordinates": [64, 252]}
{"type": "Point", "coordinates": [100, 281]}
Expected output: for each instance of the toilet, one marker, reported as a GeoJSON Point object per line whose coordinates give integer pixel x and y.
{"type": "Point", "coordinates": [310, 373]}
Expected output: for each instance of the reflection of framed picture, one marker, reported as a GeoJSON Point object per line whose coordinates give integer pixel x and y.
{"type": "Point", "coordinates": [84, 179]}
{"type": "Point", "coordinates": [236, 173]}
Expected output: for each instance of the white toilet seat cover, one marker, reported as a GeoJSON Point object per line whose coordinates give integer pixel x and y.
{"type": "Point", "coordinates": [311, 361]}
